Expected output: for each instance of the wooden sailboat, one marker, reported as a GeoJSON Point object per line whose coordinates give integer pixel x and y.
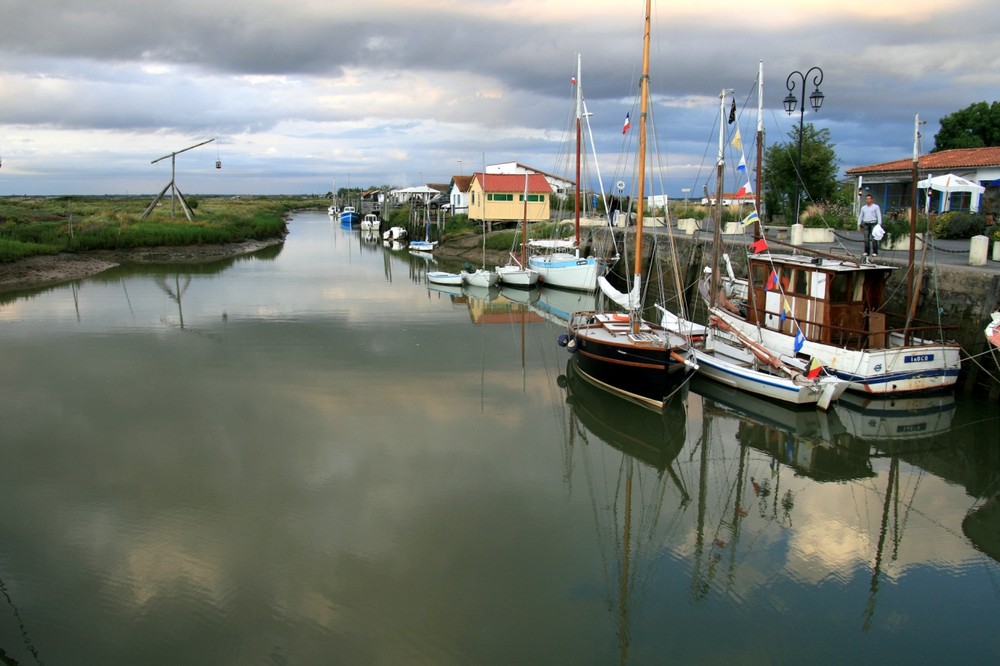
{"type": "Point", "coordinates": [732, 358]}
{"type": "Point", "coordinates": [623, 352]}
{"type": "Point", "coordinates": [839, 316]}
{"type": "Point", "coordinates": [560, 265]}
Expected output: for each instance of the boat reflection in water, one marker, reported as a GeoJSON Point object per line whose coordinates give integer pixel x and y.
{"type": "Point", "coordinates": [895, 419]}
{"type": "Point", "coordinates": [800, 438]}
{"type": "Point", "coordinates": [732, 489]}
{"type": "Point", "coordinates": [642, 447]}
{"type": "Point", "coordinates": [649, 436]}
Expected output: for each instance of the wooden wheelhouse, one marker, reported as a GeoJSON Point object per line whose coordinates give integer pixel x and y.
{"type": "Point", "coordinates": [834, 302]}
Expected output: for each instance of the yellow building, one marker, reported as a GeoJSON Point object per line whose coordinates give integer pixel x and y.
{"type": "Point", "coordinates": [498, 198]}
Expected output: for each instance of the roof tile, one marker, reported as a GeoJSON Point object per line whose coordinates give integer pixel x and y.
{"type": "Point", "coordinates": [945, 160]}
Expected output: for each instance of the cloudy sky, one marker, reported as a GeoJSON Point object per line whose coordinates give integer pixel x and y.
{"type": "Point", "coordinates": [395, 92]}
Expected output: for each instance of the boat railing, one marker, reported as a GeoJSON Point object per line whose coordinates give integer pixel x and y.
{"type": "Point", "coordinates": [877, 333]}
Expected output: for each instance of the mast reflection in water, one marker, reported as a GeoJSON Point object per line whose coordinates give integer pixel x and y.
{"type": "Point", "coordinates": [309, 452]}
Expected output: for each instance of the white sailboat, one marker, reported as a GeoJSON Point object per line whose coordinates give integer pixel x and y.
{"type": "Point", "coordinates": [558, 262]}
{"type": "Point", "coordinates": [517, 273]}
{"type": "Point", "coordinates": [425, 245]}
{"type": "Point", "coordinates": [481, 277]}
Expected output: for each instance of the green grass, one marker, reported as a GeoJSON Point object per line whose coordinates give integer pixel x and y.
{"type": "Point", "coordinates": [49, 225]}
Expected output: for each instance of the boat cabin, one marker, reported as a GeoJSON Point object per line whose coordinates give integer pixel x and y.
{"type": "Point", "coordinates": [833, 301]}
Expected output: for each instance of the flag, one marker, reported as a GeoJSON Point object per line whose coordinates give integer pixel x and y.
{"type": "Point", "coordinates": [814, 367]}
{"type": "Point", "coordinates": [742, 166]}
{"type": "Point", "coordinates": [799, 341]}
{"type": "Point", "coordinates": [750, 219]}
{"type": "Point", "coordinates": [627, 122]}
{"type": "Point", "coordinates": [732, 112]}
{"type": "Point", "coordinates": [737, 141]}
{"type": "Point", "coordinates": [785, 310]}
{"type": "Point", "coordinates": [759, 246]}
{"type": "Point", "coordinates": [745, 190]}
{"type": "Point", "coordinates": [772, 281]}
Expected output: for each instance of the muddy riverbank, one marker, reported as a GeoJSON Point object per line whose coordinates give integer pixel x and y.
{"type": "Point", "coordinates": [47, 270]}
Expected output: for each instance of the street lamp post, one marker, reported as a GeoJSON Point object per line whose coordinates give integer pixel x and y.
{"type": "Point", "coordinates": [790, 101]}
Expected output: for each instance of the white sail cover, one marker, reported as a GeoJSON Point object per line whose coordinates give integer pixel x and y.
{"type": "Point", "coordinates": [630, 301]}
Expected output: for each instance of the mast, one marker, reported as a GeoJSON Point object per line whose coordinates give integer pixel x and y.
{"type": "Point", "coordinates": [913, 279]}
{"type": "Point", "coordinates": [524, 226]}
{"type": "Point", "coordinates": [757, 232]}
{"type": "Point", "coordinates": [913, 214]}
{"type": "Point", "coordinates": [641, 187]}
{"type": "Point", "coordinates": [720, 166]}
{"type": "Point", "coordinates": [579, 139]}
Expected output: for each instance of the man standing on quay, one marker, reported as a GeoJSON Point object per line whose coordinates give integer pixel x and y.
{"type": "Point", "coordinates": [869, 216]}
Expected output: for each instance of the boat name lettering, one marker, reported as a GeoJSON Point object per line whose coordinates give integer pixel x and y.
{"type": "Point", "coordinates": [916, 427]}
{"type": "Point", "coordinates": [918, 358]}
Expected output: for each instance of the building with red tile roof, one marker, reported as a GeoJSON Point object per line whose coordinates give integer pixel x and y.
{"type": "Point", "coordinates": [891, 183]}
{"type": "Point", "coordinates": [500, 197]}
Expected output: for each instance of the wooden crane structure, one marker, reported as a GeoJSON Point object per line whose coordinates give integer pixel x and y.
{"type": "Point", "coordinates": [175, 193]}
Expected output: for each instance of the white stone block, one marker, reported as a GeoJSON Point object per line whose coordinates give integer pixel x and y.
{"type": "Point", "coordinates": [903, 243]}
{"type": "Point", "coordinates": [817, 235]}
{"type": "Point", "coordinates": [796, 234]}
{"type": "Point", "coordinates": [688, 225]}
{"type": "Point", "coordinates": [979, 246]}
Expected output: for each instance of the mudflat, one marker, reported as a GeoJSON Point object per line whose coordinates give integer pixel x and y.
{"type": "Point", "coordinates": [44, 270]}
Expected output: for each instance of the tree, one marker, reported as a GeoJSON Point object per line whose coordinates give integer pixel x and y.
{"type": "Point", "coordinates": [819, 171]}
{"type": "Point", "coordinates": [975, 126]}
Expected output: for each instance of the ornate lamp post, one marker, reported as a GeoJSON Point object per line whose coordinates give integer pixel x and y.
{"type": "Point", "coordinates": [790, 102]}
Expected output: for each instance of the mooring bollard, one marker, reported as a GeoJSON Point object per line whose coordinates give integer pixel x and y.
{"type": "Point", "coordinates": [979, 247]}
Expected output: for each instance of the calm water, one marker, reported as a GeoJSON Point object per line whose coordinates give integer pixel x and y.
{"type": "Point", "coordinates": [307, 457]}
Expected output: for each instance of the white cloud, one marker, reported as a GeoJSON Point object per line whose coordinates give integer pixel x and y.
{"type": "Point", "coordinates": [420, 87]}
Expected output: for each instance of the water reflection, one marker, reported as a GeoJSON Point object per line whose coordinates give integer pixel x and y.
{"type": "Point", "coordinates": [745, 487]}
{"type": "Point", "coordinates": [343, 459]}
{"type": "Point", "coordinates": [630, 534]}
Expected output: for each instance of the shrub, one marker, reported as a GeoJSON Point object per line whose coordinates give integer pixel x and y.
{"type": "Point", "coordinates": [824, 214]}
{"type": "Point", "coordinates": [899, 227]}
{"type": "Point", "coordinates": [959, 224]}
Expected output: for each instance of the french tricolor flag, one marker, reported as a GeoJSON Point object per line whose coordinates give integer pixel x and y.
{"type": "Point", "coordinates": [628, 123]}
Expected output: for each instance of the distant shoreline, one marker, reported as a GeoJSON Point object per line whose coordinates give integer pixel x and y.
{"type": "Point", "coordinates": [47, 270]}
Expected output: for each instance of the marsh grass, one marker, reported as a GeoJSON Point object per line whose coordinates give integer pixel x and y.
{"type": "Point", "coordinates": [49, 225]}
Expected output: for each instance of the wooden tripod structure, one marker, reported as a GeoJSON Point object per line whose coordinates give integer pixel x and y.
{"type": "Point", "coordinates": [175, 193]}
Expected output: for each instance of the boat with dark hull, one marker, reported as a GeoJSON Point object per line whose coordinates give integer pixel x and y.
{"type": "Point", "coordinates": [624, 352]}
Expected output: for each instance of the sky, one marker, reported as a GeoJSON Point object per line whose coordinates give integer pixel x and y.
{"type": "Point", "coordinates": [301, 97]}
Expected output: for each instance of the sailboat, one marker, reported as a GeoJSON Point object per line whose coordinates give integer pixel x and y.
{"type": "Point", "coordinates": [623, 352]}
{"type": "Point", "coordinates": [559, 262]}
{"type": "Point", "coordinates": [425, 245]}
{"type": "Point", "coordinates": [732, 358]}
{"type": "Point", "coordinates": [518, 273]}
{"type": "Point", "coordinates": [481, 277]}
{"type": "Point", "coordinates": [839, 317]}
